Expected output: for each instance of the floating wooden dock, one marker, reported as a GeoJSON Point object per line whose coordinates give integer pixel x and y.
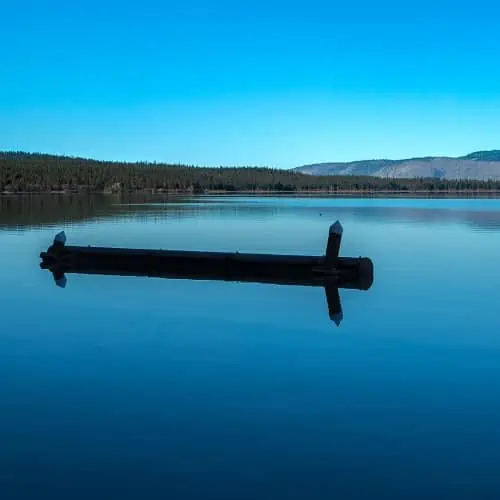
{"type": "Point", "coordinates": [329, 270]}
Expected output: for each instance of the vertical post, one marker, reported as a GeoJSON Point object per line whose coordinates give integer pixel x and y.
{"type": "Point", "coordinates": [60, 238]}
{"type": "Point", "coordinates": [59, 242]}
{"type": "Point", "coordinates": [334, 240]}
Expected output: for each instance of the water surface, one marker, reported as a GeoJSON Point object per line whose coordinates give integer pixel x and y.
{"type": "Point", "coordinates": [119, 387]}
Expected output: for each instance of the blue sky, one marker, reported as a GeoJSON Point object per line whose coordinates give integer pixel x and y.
{"type": "Point", "coordinates": [249, 83]}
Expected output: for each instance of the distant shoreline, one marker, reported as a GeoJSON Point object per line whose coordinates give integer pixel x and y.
{"type": "Point", "coordinates": [472, 193]}
{"type": "Point", "coordinates": [24, 173]}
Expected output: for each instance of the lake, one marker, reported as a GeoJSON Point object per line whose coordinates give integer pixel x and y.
{"type": "Point", "coordinates": [123, 387]}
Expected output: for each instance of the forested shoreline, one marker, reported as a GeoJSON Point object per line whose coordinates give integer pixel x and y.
{"type": "Point", "coordinates": [39, 173]}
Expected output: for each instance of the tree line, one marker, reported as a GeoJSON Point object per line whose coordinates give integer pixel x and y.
{"type": "Point", "coordinates": [38, 173]}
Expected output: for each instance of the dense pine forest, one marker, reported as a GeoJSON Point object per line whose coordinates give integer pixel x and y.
{"type": "Point", "coordinates": [39, 173]}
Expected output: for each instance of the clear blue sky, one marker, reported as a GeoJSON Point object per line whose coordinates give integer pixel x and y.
{"type": "Point", "coordinates": [249, 83]}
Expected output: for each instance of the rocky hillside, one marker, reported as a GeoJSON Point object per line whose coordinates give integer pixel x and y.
{"type": "Point", "coordinates": [481, 165]}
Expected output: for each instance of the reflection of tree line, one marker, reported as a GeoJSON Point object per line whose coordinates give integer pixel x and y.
{"type": "Point", "coordinates": [198, 209]}
{"type": "Point", "coordinates": [21, 211]}
{"type": "Point", "coordinates": [42, 210]}
{"type": "Point", "coordinates": [20, 172]}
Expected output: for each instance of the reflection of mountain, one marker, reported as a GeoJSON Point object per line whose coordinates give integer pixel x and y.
{"type": "Point", "coordinates": [480, 219]}
{"type": "Point", "coordinates": [39, 211]}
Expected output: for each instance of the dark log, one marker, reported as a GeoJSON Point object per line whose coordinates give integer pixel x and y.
{"type": "Point", "coordinates": [329, 271]}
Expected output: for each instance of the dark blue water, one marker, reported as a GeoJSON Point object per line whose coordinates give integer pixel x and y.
{"type": "Point", "coordinates": [118, 387]}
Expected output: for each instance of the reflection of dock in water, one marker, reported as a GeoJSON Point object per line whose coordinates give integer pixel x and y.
{"type": "Point", "coordinates": [329, 271]}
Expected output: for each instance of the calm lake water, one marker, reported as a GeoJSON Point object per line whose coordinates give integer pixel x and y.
{"type": "Point", "coordinates": [119, 387]}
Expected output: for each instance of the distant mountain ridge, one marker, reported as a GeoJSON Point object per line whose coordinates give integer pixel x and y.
{"type": "Point", "coordinates": [480, 165]}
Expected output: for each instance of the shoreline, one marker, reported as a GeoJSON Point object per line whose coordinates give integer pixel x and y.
{"type": "Point", "coordinates": [478, 193]}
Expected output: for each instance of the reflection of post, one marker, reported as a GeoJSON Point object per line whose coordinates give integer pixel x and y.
{"type": "Point", "coordinates": [59, 278]}
{"type": "Point", "coordinates": [334, 240]}
{"type": "Point", "coordinates": [334, 304]}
